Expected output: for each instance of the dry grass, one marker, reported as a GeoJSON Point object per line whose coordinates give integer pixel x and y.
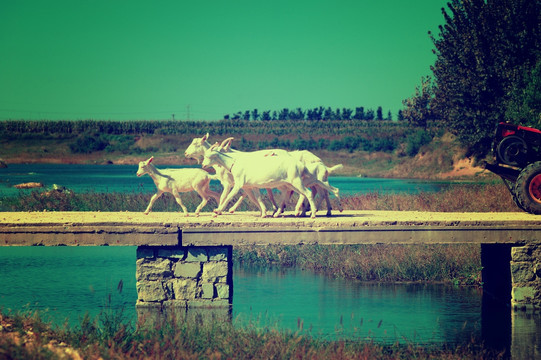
{"type": "Point", "coordinates": [24, 337]}
{"type": "Point", "coordinates": [458, 198]}
{"type": "Point", "coordinates": [459, 264]}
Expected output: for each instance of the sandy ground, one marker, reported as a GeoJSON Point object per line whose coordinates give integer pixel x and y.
{"type": "Point", "coordinates": [250, 219]}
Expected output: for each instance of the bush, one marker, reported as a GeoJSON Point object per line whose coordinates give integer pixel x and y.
{"type": "Point", "coordinates": [417, 140]}
{"type": "Point", "coordinates": [88, 144]}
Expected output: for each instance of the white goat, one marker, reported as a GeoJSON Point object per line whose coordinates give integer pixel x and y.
{"type": "Point", "coordinates": [196, 151]}
{"type": "Point", "coordinates": [251, 170]}
{"type": "Point", "coordinates": [176, 181]}
{"type": "Point", "coordinates": [316, 170]}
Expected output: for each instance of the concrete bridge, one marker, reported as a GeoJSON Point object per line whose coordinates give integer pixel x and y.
{"type": "Point", "coordinates": [186, 262]}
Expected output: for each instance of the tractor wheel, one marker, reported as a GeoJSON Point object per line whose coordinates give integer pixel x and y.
{"type": "Point", "coordinates": [512, 150]}
{"type": "Point", "coordinates": [528, 188]}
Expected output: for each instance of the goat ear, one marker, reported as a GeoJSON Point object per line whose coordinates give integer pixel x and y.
{"type": "Point", "coordinates": [205, 138]}
{"type": "Point", "coordinates": [224, 143]}
{"type": "Point", "coordinates": [150, 160]}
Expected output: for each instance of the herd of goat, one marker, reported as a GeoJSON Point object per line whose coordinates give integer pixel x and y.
{"type": "Point", "coordinates": [289, 171]}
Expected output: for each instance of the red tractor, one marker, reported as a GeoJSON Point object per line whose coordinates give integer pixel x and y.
{"type": "Point", "coordinates": [517, 150]}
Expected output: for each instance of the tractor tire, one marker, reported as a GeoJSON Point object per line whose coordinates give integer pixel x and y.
{"type": "Point", "coordinates": [528, 188]}
{"type": "Point", "coordinates": [512, 150]}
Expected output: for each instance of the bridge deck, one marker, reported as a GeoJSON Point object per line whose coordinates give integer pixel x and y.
{"type": "Point", "coordinates": [349, 227]}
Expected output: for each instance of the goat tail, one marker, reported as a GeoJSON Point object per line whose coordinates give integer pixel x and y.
{"type": "Point", "coordinates": [334, 168]}
{"type": "Point", "coordinates": [328, 171]}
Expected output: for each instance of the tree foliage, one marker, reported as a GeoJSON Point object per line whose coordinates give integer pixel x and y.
{"type": "Point", "coordinates": [482, 53]}
{"type": "Point", "coordinates": [418, 109]}
{"type": "Point", "coordinates": [524, 105]}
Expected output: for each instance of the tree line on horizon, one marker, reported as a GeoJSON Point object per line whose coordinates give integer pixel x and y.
{"type": "Point", "coordinates": [314, 114]}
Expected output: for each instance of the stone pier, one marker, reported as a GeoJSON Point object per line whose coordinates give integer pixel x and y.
{"type": "Point", "coordinates": [526, 277]}
{"type": "Point", "coordinates": [184, 276]}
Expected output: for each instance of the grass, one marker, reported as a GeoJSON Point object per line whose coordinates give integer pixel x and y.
{"type": "Point", "coordinates": [457, 264]}
{"type": "Point", "coordinates": [27, 336]}
{"type": "Point", "coordinates": [458, 198]}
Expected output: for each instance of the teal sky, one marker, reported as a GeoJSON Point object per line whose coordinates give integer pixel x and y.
{"type": "Point", "coordinates": [104, 59]}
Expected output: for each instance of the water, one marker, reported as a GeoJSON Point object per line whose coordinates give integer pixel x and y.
{"type": "Point", "coordinates": [67, 282]}
{"type": "Point", "coordinates": [331, 308]}
{"type": "Point", "coordinates": [122, 178]}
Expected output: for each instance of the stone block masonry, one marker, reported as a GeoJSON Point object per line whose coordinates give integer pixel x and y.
{"type": "Point", "coordinates": [526, 277]}
{"type": "Point", "coordinates": [184, 276]}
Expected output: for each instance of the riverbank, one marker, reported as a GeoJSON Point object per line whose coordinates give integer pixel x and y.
{"type": "Point", "coordinates": [383, 149]}
{"type": "Point", "coordinates": [109, 336]}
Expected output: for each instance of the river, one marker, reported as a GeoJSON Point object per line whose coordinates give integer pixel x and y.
{"type": "Point", "coordinates": [122, 178]}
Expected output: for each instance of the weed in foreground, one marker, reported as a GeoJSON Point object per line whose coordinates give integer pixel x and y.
{"type": "Point", "coordinates": [20, 339]}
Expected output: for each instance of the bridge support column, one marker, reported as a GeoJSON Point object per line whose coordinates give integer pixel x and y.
{"type": "Point", "coordinates": [526, 277]}
{"type": "Point", "coordinates": [184, 277]}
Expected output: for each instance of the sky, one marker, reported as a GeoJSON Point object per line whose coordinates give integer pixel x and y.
{"type": "Point", "coordinates": [201, 60]}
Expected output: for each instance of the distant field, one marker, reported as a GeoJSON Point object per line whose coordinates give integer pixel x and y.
{"type": "Point", "coordinates": [374, 148]}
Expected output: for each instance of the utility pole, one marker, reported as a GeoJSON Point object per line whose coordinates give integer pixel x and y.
{"type": "Point", "coordinates": [173, 115]}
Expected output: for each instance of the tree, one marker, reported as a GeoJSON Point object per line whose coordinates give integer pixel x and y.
{"type": "Point", "coordinates": [369, 115]}
{"type": "Point", "coordinates": [481, 51]}
{"type": "Point", "coordinates": [315, 114]}
{"type": "Point", "coordinates": [298, 114]}
{"type": "Point", "coordinates": [524, 105]}
{"type": "Point", "coordinates": [266, 115]}
{"type": "Point", "coordinates": [379, 113]}
{"type": "Point", "coordinates": [328, 114]}
{"type": "Point", "coordinates": [418, 109]}
{"type": "Point", "coordinates": [359, 113]}
{"type": "Point", "coordinates": [346, 114]}
{"type": "Point", "coordinates": [255, 114]}
{"type": "Point", "coordinates": [284, 114]}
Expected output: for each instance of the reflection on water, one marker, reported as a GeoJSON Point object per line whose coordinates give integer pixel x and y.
{"type": "Point", "coordinates": [69, 281]}
{"type": "Point", "coordinates": [333, 308]}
